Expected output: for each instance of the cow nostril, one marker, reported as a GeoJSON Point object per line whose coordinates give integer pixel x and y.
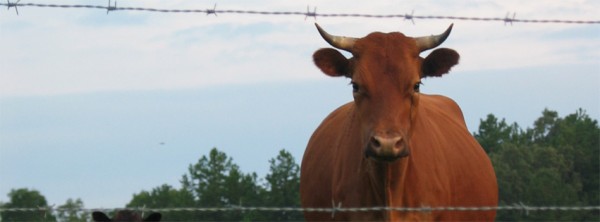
{"type": "Point", "coordinates": [399, 142]}
{"type": "Point", "coordinates": [375, 143]}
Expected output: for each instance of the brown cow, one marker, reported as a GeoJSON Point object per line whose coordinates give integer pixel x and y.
{"type": "Point", "coordinates": [125, 215]}
{"type": "Point", "coordinates": [394, 146]}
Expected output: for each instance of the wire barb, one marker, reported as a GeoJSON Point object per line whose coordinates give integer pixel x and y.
{"type": "Point", "coordinates": [509, 20]}
{"type": "Point", "coordinates": [410, 17]}
{"type": "Point", "coordinates": [335, 208]}
{"type": "Point", "coordinates": [111, 8]}
{"type": "Point", "coordinates": [212, 11]}
{"type": "Point", "coordinates": [311, 14]}
{"type": "Point", "coordinates": [10, 5]}
{"type": "Point", "coordinates": [523, 207]}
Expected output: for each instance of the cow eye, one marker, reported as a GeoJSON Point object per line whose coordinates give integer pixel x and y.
{"type": "Point", "coordinates": [355, 87]}
{"type": "Point", "coordinates": [417, 87]}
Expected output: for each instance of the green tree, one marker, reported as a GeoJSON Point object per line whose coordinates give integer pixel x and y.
{"type": "Point", "coordinates": [577, 137]}
{"type": "Point", "coordinates": [554, 163]}
{"type": "Point", "coordinates": [512, 167]}
{"type": "Point", "coordinates": [25, 198]}
{"type": "Point", "coordinates": [71, 211]}
{"type": "Point", "coordinates": [543, 125]}
{"type": "Point", "coordinates": [243, 190]}
{"type": "Point", "coordinates": [215, 181]}
{"type": "Point", "coordinates": [283, 185]}
{"type": "Point", "coordinates": [206, 179]}
{"type": "Point", "coordinates": [165, 196]}
{"type": "Point", "coordinates": [534, 175]}
{"type": "Point", "coordinates": [492, 133]}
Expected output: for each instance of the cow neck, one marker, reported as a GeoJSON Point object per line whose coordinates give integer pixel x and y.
{"type": "Point", "coordinates": [376, 174]}
{"type": "Point", "coordinates": [394, 180]}
{"type": "Point", "coordinates": [373, 170]}
{"type": "Point", "coordinates": [395, 173]}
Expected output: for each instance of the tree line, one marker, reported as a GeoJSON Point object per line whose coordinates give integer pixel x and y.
{"type": "Point", "coordinates": [213, 181]}
{"type": "Point", "coordinates": [553, 163]}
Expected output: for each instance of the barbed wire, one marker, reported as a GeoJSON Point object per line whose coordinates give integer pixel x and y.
{"type": "Point", "coordinates": [334, 209]}
{"type": "Point", "coordinates": [308, 13]}
{"type": "Point", "coordinates": [312, 14]}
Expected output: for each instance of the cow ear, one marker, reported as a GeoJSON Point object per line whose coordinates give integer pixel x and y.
{"type": "Point", "coordinates": [100, 217]}
{"type": "Point", "coordinates": [331, 62]}
{"type": "Point", "coordinates": [153, 217]}
{"type": "Point", "coordinates": [439, 62]}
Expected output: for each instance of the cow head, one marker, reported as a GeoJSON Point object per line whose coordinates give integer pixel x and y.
{"type": "Point", "coordinates": [385, 72]}
{"type": "Point", "coordinates": [125, 215]}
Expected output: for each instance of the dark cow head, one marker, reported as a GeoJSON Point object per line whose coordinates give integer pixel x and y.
{"type": "Point", "coordinates": [385, 72]}
{"type": "Point", "coordinates": [125, 215]}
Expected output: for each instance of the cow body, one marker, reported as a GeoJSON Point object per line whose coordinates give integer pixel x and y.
{"type": "Point", "coordinates": [444, 165]}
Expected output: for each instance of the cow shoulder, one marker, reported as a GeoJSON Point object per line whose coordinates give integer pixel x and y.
{"type": "Point", "coordinates": [445, 106]}
{"type": "Point", "coordinates": [332, 124]}
{"type": "Point", "coordinates": [317, 165]}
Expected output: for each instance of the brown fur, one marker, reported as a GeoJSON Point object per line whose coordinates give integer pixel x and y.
{"type": "Point", "coordinates": [439, 62]}
{"type": "Point", "coordinates": [446, 165]}
{"type": "Point", "coordinates": [331, 62]}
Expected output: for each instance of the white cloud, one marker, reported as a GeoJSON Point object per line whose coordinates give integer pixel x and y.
{"type": "Point", "coordinates": [50, 51]}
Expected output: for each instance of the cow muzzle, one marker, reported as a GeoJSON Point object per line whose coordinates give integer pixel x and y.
{"type": "Point", "coordinates": [387, 149]}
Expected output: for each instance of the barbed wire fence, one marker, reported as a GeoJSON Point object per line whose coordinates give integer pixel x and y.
{"type": "Point", "coordinates": [112, 7]}
{"type": "Point", "coordinates": [515, 207]}
{"type": "Point", "coordinates": [508, 19]}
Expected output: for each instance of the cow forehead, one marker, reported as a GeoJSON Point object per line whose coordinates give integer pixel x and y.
{"type": "Point", "coordinates": [387, 57]}
{"type": "Point", "coordinates": [378, 42]}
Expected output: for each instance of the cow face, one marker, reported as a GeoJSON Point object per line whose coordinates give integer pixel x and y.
{"type": "Point", "coordinates": [385, 73]}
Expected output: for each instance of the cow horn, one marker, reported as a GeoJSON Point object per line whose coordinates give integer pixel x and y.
{"type": "Point", "coordinates": [430, 42]}
{"type": "Point", "coordinates": [340, 42]}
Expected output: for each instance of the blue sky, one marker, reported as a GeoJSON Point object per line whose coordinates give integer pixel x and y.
{"type": "Point", "coordinates": [86, 98]}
